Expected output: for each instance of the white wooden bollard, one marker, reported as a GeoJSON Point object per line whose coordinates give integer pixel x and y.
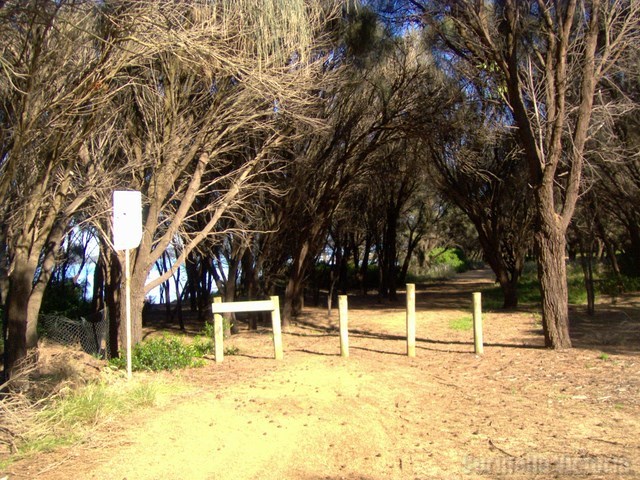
{"type": "Point", "coordinates": [343, 307]}
{"type": "Point", "coordinates": [218, 334]}
{"type": "Point", "coordinates": [277, 328]}
{"type": "Point", "coordinates": [477, 323]}
{"type": "Point", "coordinates": [411, 320]}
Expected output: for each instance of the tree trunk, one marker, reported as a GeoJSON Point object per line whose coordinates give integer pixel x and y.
{"type": "Point", "coordinates": [608, 245]}
{"type": "Point", "coordinates": [138, 278]}
{"type": "Point", "coordinates": [99, 276]}
{"type": "Point", "coordinates": [191, 267]}
{"type": "Point", "coordinates": [25, 298]}
{"type": "Point", "coordinates": [21, 337]}
{"type": "Point", "coordinates": [509, 287]}
{"type": "Point", "coordinates": [550, 245]}
{"type": "Point", "coordinates": [634, 247]}
{"type": "Point", "coordinates": [292, 298]}
{"type": "Point", "coordinates": [390, 271]}
{"type": "Point", "coordinates": [292, 294]}
{"type": "Point", "coordinates": [586, 261]}
{"type": "Point", "coordinates": [364, 266]}
{"type": "Point", "coordinates": [230, 294]}
{"type": "Point", "coordinates": [112, 301]}
{"type": "Point", "coordinates": [137, 306]}
{"type": "Point", "coordinates": [343, 269]}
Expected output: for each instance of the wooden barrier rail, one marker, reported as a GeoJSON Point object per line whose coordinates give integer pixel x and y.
{"type": "Point", "coordinates": [272, 305]}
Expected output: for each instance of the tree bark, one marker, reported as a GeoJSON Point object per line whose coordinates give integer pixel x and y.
{"type": "Point", "coordinates": [364, 266]}
{"type": "Point", "coordinates": [550, 245]}
{"type": "Point", "coordinates": [112, 301]}
{"type": "Point", "coordinates": [586, 261]}
{"type": "Point", "coordinates": [509, 287]}
{"type": "Point", "coordinates": [27, 282]}
{"type": "Point", "coordinates": [20, 336]}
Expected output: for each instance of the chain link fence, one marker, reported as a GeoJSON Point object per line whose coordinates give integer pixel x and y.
{"type": "Point", "coordinates": [90, 333]}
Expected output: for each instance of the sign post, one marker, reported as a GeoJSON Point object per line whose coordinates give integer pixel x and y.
{"type": "Point", "coordinates": [127, 233]}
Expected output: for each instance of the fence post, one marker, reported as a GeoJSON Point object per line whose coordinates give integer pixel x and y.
{"type": "Point", "coordinates": [277, 330]}
{"type": "Point", "coordinates": [343, 307]}
{"type": "Point", "coordinates": [477, 323]}
{"type": "Point", "coordinates": [411, 320]}
{"type": "Point", "coordinates": [218, 334]}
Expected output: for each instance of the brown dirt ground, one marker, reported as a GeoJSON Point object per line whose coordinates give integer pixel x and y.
{"type": "Point", "coordinates": [518, 410]}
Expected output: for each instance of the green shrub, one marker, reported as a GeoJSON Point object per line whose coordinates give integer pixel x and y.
{"type": "Point", "coordinates": [165, 353]}
{"type": "Point", "coordinates": [440, 264]}
{"type": "Point", "coordinates": [204, 344]}
{"type": "Point", "coordinates": [66, 299]}
{"type": "Point", "coordinates": [45, 424]}
{"type": "Point", "coordinates": [529, 287]}
{"type": "Point", "coordinates": [612, 285]}
{"type": "Point", "coordinates": [453, 257]}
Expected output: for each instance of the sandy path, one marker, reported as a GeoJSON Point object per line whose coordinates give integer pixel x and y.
{"type": "Point", "coordinates": [379, 414]}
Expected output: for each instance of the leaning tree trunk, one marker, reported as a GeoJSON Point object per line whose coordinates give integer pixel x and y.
{"type": "Point", "coordinates": [550, 245]}
{"type": "Point", "coordinates": [24, 298]}
{"type": "Point", "coordinates": [293, 294]}
{"type": "Point", "coordinates": [293, 291]}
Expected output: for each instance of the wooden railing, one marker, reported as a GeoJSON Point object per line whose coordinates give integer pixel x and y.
{"type": "Point", "coordinates": [272, 305]}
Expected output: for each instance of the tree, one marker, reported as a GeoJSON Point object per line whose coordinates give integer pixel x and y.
{"type": "Point", "coordinates": [209, 111]}
{"type": "Point", "coordinates": [477, 166]}
{"type": "Point", "coordinates": [364, 110]}
{"type": "Point", "coordinates": [546, 60]}
{"type": "Point", "coordinates": [52, 97]}
{"type": "Point", "coordinates": [154, 95]}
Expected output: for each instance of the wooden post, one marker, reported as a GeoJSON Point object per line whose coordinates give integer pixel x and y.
{"type": "Point", "coordinates": [276, 326]}
{"type": "Point", "coordinates": [477, 323]}
{"type": "Point", "coordinates": [218, 334]}
{"type": "Point", "coordinates": [343, 307]}
{"type": "Point", "coordinates": [411, 320]}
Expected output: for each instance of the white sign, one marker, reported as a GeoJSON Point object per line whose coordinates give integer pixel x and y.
{"type": "Point", "coordinates": [127, 219]}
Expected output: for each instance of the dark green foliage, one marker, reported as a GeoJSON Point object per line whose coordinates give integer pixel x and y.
{"type": "Point", "coordinates": [629, 264]}
{"type": "Point", "coordinates": [363, 33]}
{"type": "Point", "coordinates": [66, 299]}
{"type": "Point", "coordinates": [612, 285]}
{"type": "Point", "coordinates": [165, 353]}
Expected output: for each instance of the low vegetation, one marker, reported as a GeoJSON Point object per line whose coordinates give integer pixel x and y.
{"type": "Point", "coordinates": [529, 287]}
{"type": "Point", "coordinates": [461, 324]}
{"type": "Point", "coordinates": [37, 419]}
{"type": "Point", "coordinates": [171, 352]}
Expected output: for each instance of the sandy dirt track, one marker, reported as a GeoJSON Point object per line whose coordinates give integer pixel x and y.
{"type": "Point", "coordinates": [518, 410]}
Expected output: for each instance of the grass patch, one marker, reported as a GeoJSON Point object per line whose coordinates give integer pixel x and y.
{"type": "Point", "coordinates": [529, 288]}
{"type": "Point", "coordinates": [95, 403]}
{"type": "Point", "coordinates": [461, 324]}
{"type": "Point", "coordinates": [69, 416]}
